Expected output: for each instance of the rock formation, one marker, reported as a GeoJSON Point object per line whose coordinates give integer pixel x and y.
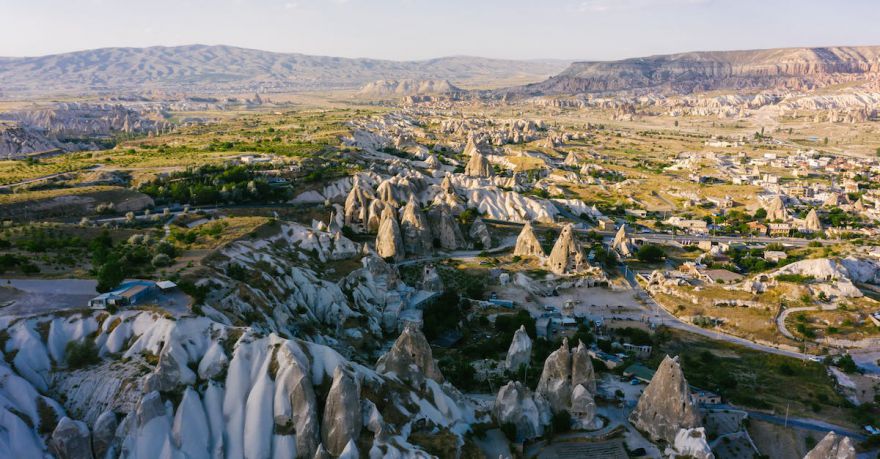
{"type": "Point", "coordinates": [417, 238]}
{"type": "Point", "coordinates": [357, 203]}
{"type": "Point", "coordinates": [342, 412]}
{"type": "Point", "coordinates": [104, 435]}
{"type": "Point", "coordinates": [389, 244]}
{"type": "Point", "coordinates": [71, 440]}
{"type": "Point", "coordinates": [479, 232]}
{"type": "Point", "coordinates": [527, 244]}
{"type": "Point", "coordinates": [445, 228]}
{"type": "Point", "coordinates": [666, 405]}
{"type": "Point", "coordinates": [410, 358]}
{"type": "Point", "coordinates": [431, 280]}
{"type": "Point", "coordinates": [515, 404]}
{"type": "Point", "coordinates": [812, 222]}
{"type": "Point", "coordinates": [479, 166]}
{"type": "Point", "coordinates": [566, 256]}
{"type": "Point", "coordinates": [563, 372]}
{"type": "Point", "coordinates": [776, 209]}
{"type": "Point", "coordinates": [520, 351]}
{"type": "Point", "coordinates": [621, 243]}
{"type": "Point", "coordinates": [583, 407]}
{"type": "Point", "coordinates": [692, 443]}
{"type": "Point", "coordinates": [833, 446]}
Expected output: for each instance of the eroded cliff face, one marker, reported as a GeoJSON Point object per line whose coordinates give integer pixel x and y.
{"type": "Point", "coordinates": [666, 405]}
{"type": "Point", "coordinates": [790, 68]}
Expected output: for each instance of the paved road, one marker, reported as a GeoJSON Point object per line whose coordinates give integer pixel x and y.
{"type": "Point", "coordinates": [664, 317]}
{"type": "Point", "coordinates": [780, 320]}
{"type": "Point", "coordinates": [807, 424]}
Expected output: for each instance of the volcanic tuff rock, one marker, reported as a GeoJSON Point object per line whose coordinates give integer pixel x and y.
{"type": "Point", "coordinates": [776, 209]}
{"type": "Point", "coordinates": [480, 232]}
{"type": "Point", "coordinates": [357, 203]}
{"type": "Point", "coordinates": [389, 244]}
{"type": "Point", "coordinates": [445, 228]}
{"type": "Point", "coordinates": [527, 244]}
{"type": "Point", "coordinates": [417, 237]}
{"type": "Point", "coordinates": [833, 446]}
{"type": "Point", "coordinates": [104, 435]}
{"type": "Point", "coordinates": [812, 222]}
{"type": "Point", "coordinates": [431, 280]}
{"type": "Point", "coordinates": [410, 358]}
{"type": "Point", "coordinates": [520, 351]}
{"type": "Point", "coordinates": [621, 242]}
{"type": "Point", "coordinates": [71, 440]}
{"type": "Point", "coordinates": [666, 405]}
{"type": "Point", "coordinates": [792, 68]}
{"type": "Point", "coordinates": [479, 166]}
{"type": "Point", "coordinates": [342, 412]}
{"type": "Point", "coordinates": [583, 407]}
{"type": "Point", "coordinates": [563, 371]}
{"type": "Point", "coordinates": [407, 87]}
{"type": "Point", "coordinates": [566, 255]}
{"type": "Point", "coordinates": [693, 443]}
{"type": "Point", "coordinates": [515, 404]}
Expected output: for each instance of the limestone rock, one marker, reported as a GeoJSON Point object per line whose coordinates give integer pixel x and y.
{"type": "Point", "coordinates": [621, 243]}
{"type": "Point", "coordinates": [833, 446]}
{"type": "Point", "coordinates": [479, 166]}
{"type": "Point", "coordinates": [566, 256]}
{"type": "Point", "coordinates": [515, 404]}
{"type": "Point", "coordinates": [410, 358]}
{"type": "Point", "coordinates": [480, 232]}
{"type": "Point", "coordinates": [342, 412]}
{"type": "Point", "coordinates": [71, 440]}
{"type": "Point", "coordinates": [104, 435]}
{"type": "Point", "coordinates": [520, 351]}
{"type": "Point", "coordinates": [527, 244]}
{"type": "Point", "coordinates": [666, 405]}
{"type": "Point", "coordinates": [417, 238]}
{"type": "Point", "coordinates": [389, 243]}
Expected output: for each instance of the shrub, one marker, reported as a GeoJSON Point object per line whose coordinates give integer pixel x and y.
{"type": "Point", "coordinates": [650, 253]}
{"type": "Point", "coordinates": [82, 353]}
{"type": "Point", "coordinates": [161, 260]}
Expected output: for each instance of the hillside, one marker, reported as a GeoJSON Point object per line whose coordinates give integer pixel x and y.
{"type": "Point", "coordinates": [789, 68]}
{"type": "Point", "coordinates": [199, 68]}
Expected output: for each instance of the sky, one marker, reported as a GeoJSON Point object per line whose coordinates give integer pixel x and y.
{"type": "Point", "coordinates": [423, 29]}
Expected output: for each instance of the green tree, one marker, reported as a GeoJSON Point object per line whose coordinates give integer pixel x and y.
{"type": "Point", "coordinates": [650, 253]}
{"type": "Point", "coordinates": [110, 274]}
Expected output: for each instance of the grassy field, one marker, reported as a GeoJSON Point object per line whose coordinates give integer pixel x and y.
{"type": "Point", "coordinates": [757, 380]}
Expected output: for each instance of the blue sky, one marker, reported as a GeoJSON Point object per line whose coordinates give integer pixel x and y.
{"type": "Point", "coordinates": [421, 29]}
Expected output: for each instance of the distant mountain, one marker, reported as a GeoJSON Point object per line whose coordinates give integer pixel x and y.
{"type": "Point", "coordinates": [384, 88]}
{"type": "Point", "coordinates": [200, 68]}
{"type": "Point", "coordinates": [789, 68]}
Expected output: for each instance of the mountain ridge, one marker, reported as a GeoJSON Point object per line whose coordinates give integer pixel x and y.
{"type": "Point", "coordinates": [222, 68]}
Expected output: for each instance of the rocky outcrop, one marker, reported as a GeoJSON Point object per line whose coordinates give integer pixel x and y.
{"type": "Point", "coordinates": [692, 443]}
{"type": "Point", "coordinates": [417, 237]}
{"type": "Point", "coordinates": [666, 405]}
{"type": "Point", "coordinates": [563, 372]}
{"type": "Point", "coordinates": [357, 203]}
{"type": "Point", "coordinates": [342, 412]}
{"type": "Point", "coordinates": [431, 280]}
{"type": "Point", "coordinates": [445, 228]}
{"type": "Point", "coordinates": [479, 232]}
{"type": "Point", "coordinates": [479, 166]}
{"type": "Point", "coordinates": [389, 244]}
{"type": "Point", "coordinates": [812, 223]}
{"type": "Point", "coordinates": [583, 407]}
{"type": "Point", "coordinates": [410, 358]}
{"type": "Point", "coordinates": [776, 209]}
{"type": "Point", "coordinates": [515, 404]}
{"type": "Point", "coordinates": [527, 244]}
{"type": "Point", "coordinates": [621, 243]}
{"type": "Point", "coordinates": [520, 351]}
{"type": "Point", "coordinates": [71, 440]}
{"type": "Point", "coordinates": [104, 435]}
{"type": "Point", "coordinates": [833, 446]}
{"type": "Point", "coordinates": [566, 256]}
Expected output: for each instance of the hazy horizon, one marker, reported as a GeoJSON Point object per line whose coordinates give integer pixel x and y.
{"type": "Point", "coordinates": [403, 30]}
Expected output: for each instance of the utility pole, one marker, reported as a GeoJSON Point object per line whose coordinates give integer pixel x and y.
{"type": "Point", "coordinates": [786, 414]}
